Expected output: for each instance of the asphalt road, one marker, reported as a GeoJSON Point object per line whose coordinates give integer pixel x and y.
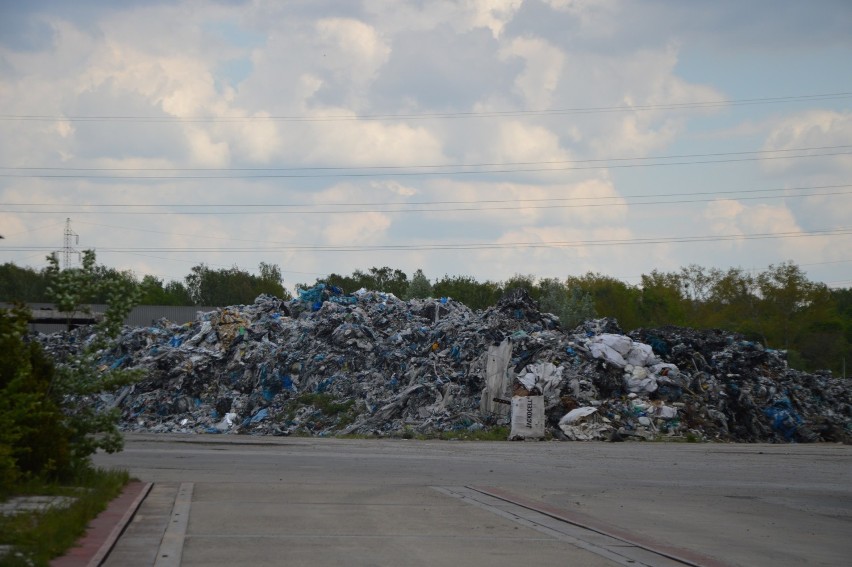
{"type": "Point", "coordinates": [226, 500]}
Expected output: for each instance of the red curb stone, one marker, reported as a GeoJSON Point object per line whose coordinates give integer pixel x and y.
{"type": "Point", "coordinates": [102, 532]}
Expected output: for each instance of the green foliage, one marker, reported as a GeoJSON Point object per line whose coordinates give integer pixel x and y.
{"type": "Point", "coordinates": [324, 402]}
{"type": "Point", "coordinates": [467, 290]}
{"type": "Point", "coordinates": [419, 288]}
{"type": "Point", "coordinates": [34, 438]}
{"type": "Point", "coordinates": [22, 284]}
{"type": "Point", "coordinates": [554, 298]}
{"type": "Point", "coordinates": [153, 292]}
{"type": "Point", "coordinates": [525, 282]}
{"type": "Point", "coordinates": [611, 297]}
{"type": "Point", "coordinates": [48, 428]}
{"type": "Point", "coordinates": [233, 286]}
{"type": "Point", "coordinates": [497, 433]}
{"type": "Point", "coordinates": [779, 307]}
{"type": "Point", "coordinates": [37, 537]}
{"type": "Point", "coordinates": [572, 306]}
{"type": "Point", "coordinates": [662, 302]}
{"type": "Point", "coordinates": [385, 279]}
{"type": "Point", "coordinates": [70, 290]}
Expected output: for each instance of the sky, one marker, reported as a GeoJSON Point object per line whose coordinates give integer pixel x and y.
{"type": "Point", "coordinates": [486, 139]}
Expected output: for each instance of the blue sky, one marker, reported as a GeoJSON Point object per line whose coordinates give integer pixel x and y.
{"type": "Point", "coordinates": [619, 137]}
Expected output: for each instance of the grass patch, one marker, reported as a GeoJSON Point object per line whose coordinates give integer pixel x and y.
{"type": "Point", "coordinates": [325, 403]}
{"type": "Point", "coordinates": [489, 434]}
{"type": "Point", "coordinates": [37, 537]}
{"type": "Point", "coordinates": [330, 411]}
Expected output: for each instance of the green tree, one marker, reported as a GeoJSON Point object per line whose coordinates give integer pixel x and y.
{"type": "Point", "coordinates": [48, 426]}
{"type": "Point", "coordinates": [22, 284]}
{"type": "Point", "coordinates": [785, 296]}
{"type": "Point", "coordinates": [345, 283]}
{"type": "Point", "coordinates": [271, 281]}
{"type": "Point", "coordinates": [151, 291]}
{"type": "Point", "coordinates": [612, 298]}
{"type": "Point", "coordinates": [554, 299]}
{"type": "Point", "coordinates": [177, 294]}
{"type": "Point", "coordinates": [71, 290]}
{"type": "Point", "coordinates": [34, 437]}
{"type": "Point", "coordinates": [467, 290]}
{"type": "Point", "coordinates": [732, 302]}
{"type": "Point", "coordinates": [522, 281]}
{"type": "Point", "coordinates": [419, 287]}
{"type": "Point", "coordinates": [232, 286]}
{"type": "Point", "coordinates": [81, 377]}
{"type": "Point", "coordinates": [572, 306]}
{"type": "Point", "coordinates": [800, 316]}
{"type": "Point", "coordinates": [386, 279]}
{"type": "Point", "coordinates": [662, 300]}
{"type": "Point", "coordinates": [843, 305]}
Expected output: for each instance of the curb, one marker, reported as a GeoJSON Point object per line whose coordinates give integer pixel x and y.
{"type": "Point", "coordinates": [103, 532]}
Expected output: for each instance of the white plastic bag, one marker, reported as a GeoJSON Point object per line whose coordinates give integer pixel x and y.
{"type": "Point", "coordinates": [527, 417]}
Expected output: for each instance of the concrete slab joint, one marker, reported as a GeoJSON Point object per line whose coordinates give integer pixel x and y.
{"type": "Point", "coordinates": [171, 546]}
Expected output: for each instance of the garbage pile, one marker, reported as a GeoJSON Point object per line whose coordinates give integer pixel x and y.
{"type": "Point", "coordinates": [369, 363]}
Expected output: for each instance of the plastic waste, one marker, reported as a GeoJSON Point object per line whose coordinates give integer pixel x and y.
{"type": "Point", "coordinates": [329, 363]}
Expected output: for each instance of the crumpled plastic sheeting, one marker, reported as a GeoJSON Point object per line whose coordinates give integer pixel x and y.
{"type": "Point", "coordinates": [583, 424]}
{"type": "Point", "coordinates": [497, 379]}
{"type": "Point", "coordinates": [369, 363]}
{"type": "Point", "coordinates": [544, 377]}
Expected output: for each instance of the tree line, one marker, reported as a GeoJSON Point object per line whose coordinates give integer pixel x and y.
{"type": "Point", "coordinates": [203, 285]}
{"type": "Point", "coordinates": [779, 307]}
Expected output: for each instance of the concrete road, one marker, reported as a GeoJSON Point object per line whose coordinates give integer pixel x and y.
{"type": "Point", "coordinates": [226, 500]}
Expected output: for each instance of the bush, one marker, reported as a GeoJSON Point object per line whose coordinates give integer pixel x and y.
{"type": "Point", "coordinates": [34, 438]}
{"type": "Point", "coordinates": [48, 426]}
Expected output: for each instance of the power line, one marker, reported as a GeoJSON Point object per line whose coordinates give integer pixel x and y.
{"type": "Point", "coordinates": [480, 246]}
{"type": "Point", "coordinates": [402, 173]}
{"type": "Point", "coordinates": [426, 166]}
{"type": "Point", "coordinates": [696, 105]}
{"type": "Point", "coordinates": [615, 202]}
{"type": "Point", "coordinates": [407, 203]}
{"type": "Point", "coordinates": [38, 228]}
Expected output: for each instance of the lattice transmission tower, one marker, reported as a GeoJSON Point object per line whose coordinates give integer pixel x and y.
{"type": "Point", "coordinates": [68, 248]}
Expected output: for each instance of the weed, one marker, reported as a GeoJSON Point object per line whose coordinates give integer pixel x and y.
{"type": "Point", "coordinates": [37, 537]}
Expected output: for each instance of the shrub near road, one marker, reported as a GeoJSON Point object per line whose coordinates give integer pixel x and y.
{"type": "Point", "coordinates": [48, 427]}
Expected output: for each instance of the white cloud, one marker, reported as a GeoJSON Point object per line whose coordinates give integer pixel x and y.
{"type": "Point", "coordinates": [367, 143]}
{"type": "Point", "coordinates": [323, 62]}
{"type": "Point", "coordinates": [352, 230]}
{"type": "Point", "coordinates": [403, 17]}
{"type": "Point", "coordinates": [811, 129]}
{"type": "Point", "coordinates": [493, 14]}
{"type": "Point", "coordinates": [520, 142]}
{"type": "Point", "coordinates": [205, 150]}
{"type": "Point", "coordinates": [598, 16]}
{"type": "Point", "coordinates": [732, 218]}
{"type": "Point", "coordinates": [394, 187]}
{"type": "Point", "coordinates": [352, 50]}
{"type": "Point", "coordinates": [542, 70]}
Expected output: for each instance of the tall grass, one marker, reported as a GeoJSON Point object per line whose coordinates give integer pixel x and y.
{"type": "Point", "coordinates": [39, 536]}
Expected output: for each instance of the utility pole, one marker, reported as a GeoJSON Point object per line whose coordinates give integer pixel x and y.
{"type": "Point", "coordinates": [68, 249]}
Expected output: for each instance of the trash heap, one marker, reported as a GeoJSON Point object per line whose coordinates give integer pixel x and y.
{"type": "Point", "coordinates": [369, 363]}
